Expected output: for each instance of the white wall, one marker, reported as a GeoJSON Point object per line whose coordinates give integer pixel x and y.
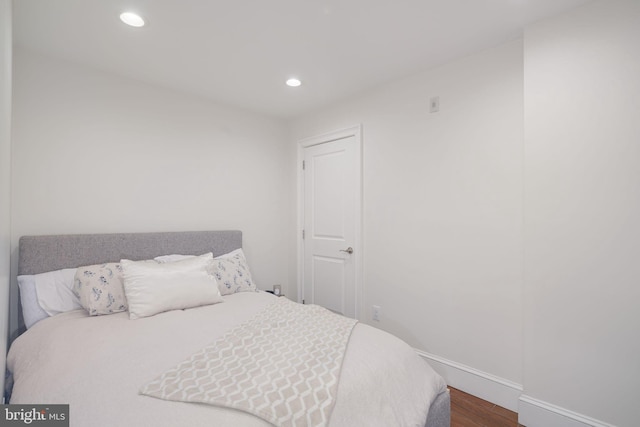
{"type": "Point", "coordinates": [5, 176]}
{"type": "Point", "coordinates": [93, 153]}
{"type": "Point", "coordinates": [443, 207]}
{"type": "Point", "coordinates": [502, 232]}
{"type": "Point", "coordinates": [582, 217]}
{"type": "Point", "coordinates": [475, 219]}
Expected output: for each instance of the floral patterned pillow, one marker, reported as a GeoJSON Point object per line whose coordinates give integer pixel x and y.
{"type": "Point", "coordinates": [100, 288]}
{"type": "Point", "coordinates": [232, 273]}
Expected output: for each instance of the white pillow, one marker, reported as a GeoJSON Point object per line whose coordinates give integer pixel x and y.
{"type": "Point", "coordinates": [99, 288]}
{"type": "Point", "coordinates": [230, 270]}
{"type": "Point", "coordinates": [55, 291]}
{"type": "Point", "coordinates": [231, 254]}
{"type": "Point", "coordinates": [153, 288]}
{"type": "Point", "coordinates": [178, 257]}
{"type": "Point", "coordinates": [172, 258]}
{"type": "Point", "coordinates": [32, 313]}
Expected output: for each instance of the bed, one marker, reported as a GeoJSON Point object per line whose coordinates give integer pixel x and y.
{"type": "Point", "coordinates": [103, 365]}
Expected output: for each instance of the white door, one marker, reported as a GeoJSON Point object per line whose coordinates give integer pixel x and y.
{"type": "Point", "coordinates": [331, 203]}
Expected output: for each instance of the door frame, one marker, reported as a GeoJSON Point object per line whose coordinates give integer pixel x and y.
{"type": "Point", "coordinates": [358, 255]}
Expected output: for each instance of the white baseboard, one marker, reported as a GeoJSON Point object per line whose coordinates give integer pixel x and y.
{"type": "Point", "coordinates": [489, 387]}
{"type": "Point", "coordinates": [508, 394]}
{"type": "Point", "coordinates": [533, 412]}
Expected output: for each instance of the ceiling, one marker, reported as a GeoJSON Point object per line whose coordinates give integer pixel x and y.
{"type": "Point", "coordinates": [240, 52]}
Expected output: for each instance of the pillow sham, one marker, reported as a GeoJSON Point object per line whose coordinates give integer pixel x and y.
{"type": "Point", "coordinates": [54, 290]}
{"type": "Point", "coordinates": [232, 273]}
{"type": "Point", "coordinates": [99, 288]}
{"type": "Point", "coordinates": [153, 288]}
{"type": "Point", "coordinates": [32, 313]}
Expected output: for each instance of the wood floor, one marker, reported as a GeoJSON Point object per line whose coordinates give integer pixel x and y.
{"type": "Point", "coordinates": [470, 411]}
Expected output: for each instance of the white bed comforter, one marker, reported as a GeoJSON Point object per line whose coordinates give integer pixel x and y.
{"type": "Point", "coordinates": [98, 364]}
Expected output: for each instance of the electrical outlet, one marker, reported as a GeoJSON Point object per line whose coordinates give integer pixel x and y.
{"type": "Point", "coordinates": [375, 313]}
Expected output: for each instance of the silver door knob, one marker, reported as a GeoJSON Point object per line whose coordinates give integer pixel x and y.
{"type": "Point", "coordinates": [349, 250]}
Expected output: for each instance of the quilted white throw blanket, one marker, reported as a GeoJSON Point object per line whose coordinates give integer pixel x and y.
{"type": "Point", "coordinates": [283, 365]}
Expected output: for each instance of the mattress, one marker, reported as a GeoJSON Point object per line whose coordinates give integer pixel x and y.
{"type": "Point", "coordinates": [97, 365]}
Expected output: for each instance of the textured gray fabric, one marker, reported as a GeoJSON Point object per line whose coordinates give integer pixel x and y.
{"type": "Point", "coordinates": [39, 254]}
{"type": "Point", "coordinates": [440, 411]}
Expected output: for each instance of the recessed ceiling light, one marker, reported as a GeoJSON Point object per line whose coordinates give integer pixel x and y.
{"type": "Point", "coordinates": [132, 19]}
{"type": "Point", "coordinates": [293, 82]}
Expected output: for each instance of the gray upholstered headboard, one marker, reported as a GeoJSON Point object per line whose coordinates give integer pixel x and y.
{"type": "Point", "coordinates": [39, 254]}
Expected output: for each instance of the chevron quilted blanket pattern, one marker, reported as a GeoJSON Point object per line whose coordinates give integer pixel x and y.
{"type": "Point", "coordinates": [283, 365]}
